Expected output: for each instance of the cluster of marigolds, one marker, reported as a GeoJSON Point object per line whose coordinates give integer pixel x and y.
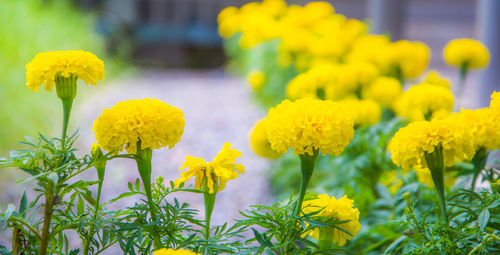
{"type": "Point", "coordinates": [346, 79]}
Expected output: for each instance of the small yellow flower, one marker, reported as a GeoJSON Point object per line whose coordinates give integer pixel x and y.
{"type": "Point", "coordinates": [259, 142]}
{"type": "Point", "coordinates": [384, 90]}
{"type": "Point", "coordinates": [411, 58]}
{"type": "Point", "coordinates": [468, 52]}
{"type": "Point", "coordinates": [421, 101]}
{"type": "Point", "coordinates": [256, 79]}
{"type": "Point", "coordinates": [170, 251]}
{"type": "Point", "coordinates": [309, 124]}
{"type": "Point", "coordinates": [47, 66]}
{"type": "Point", "coordinates": [434, 78]}
{"type": "Point", "coordinates": [217, 173]}
{"type": "Point", "coordinates": [364, 112]}
{"type": "Point", "coordinates": [152, 122]}
{"type": "Point", "coordinates": [410, 143]}
{"type": "Point", "coordinates": [339, 209]}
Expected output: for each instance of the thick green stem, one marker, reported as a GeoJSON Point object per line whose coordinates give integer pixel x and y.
{"type": "Point", "coordinates": [67, 104]}
{"type": "Point", "coordinates": [47, 217]}
{"type": "Point", "coordinates": [144, 166]}
{"type": "Point", "coordinates": [90, 234]}
{"type": "Point", "coordinates": [209, 200]}
{"type": "Point", "coordinates": [479, 161]}
{"type": "Point", "coordinates": [307, 166]}
{"type": "Point", "coordinates": [66, 91]}
{"type": "Point", "coordinates": [436, 166]}
{"type": "Point", "coordinates": [463, 75]}
{"type": "Point", "coordinates": [325, 238]}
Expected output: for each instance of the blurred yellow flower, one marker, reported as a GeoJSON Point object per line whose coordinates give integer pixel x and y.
{"type": "Point", "coordinates": [468, 52]}
{"type": "Point", "coordinates": [341, 209]}
{"type": "Point", "coordinates": [313, 83]}
{"type": "Point", "coordinates": [256, 79]}
{"type": "Point", "coordinates": [495, 102]}
{"type": "Point", "coordinates": [152, 122]}
{"type": "Point", "coordinates": [391, 181]}
{"type": "Point", "coordinates": [368, 48]}
{"type": "Point", "coordinates": [421, 101]}
{"type": "Point", "coordinates": [170, 251]}
{"type": "Point", "coordinates": [364, 112]}
{"type": "Point", "coordinates": [482, 126]}
{"type": "Point", "coordinates": [409, 58]}
{"type": "Point", "coordinates": [46, 67]}
{"type": "Point", "coordinates": [384, 90]}
{"type": "Point", "coordinates": [309, 124]}
{"type": "Point", "coordinates": [259, 142]}
{"type": "Point", "coordinates": [410, 143]}
{"type": "Point", "coordinates": [358, 74]}
{"type": "Point", "coordinates": [434, 78]}
{"type": "Point", "coordinates": [216, 173]}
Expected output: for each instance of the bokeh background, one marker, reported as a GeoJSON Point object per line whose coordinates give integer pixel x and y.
{"type": "Point", "coordinates": [170, 50]}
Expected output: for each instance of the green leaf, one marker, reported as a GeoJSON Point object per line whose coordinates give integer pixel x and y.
{"type": "Point", "coordinates": [483, 218]}
{"type": "Point", "coordinates": [395, 244]}
{"type": "Point", "coordinates": [23, 205]}
{"type": "Point", "coordinates": [80, 207]}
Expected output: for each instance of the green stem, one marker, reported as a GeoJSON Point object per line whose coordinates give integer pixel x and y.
{"type": "Point", "coordinates": [479, 161]}
{"type": "Point", "coordinates": [209, 200]}
{"type": "Point", "coordinates": [436, 166]}
{"type": "Point", "coordinates": [66, 91]}
{"type": "Point", "coordinates": [463, 75]}
{"type": "Point", "coordinates": [144, 166]}
{"type": "Point", "coordinates": [307, 166]}
{"type": "Point", "coordinates": [90, 234]}
{"type": "Point", "coordinates": [325, 238]}
{"type": "Point", "coordinates": [67, 104]}
{"type": "Point", "coordinates": [47, 217]}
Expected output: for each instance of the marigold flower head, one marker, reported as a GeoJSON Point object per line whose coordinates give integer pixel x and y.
{"type": "Point", "coordinates": [410, 143]}
{"type": "Point", "coordinates": [170, 251]}
{"type": "Point", "coordinates": [259, 142]}
{"type": "Point", "coordinates": [411, 58]}
{"type": "Point", "coordinates": [217, 173]}
{"type": "Point", "coordinates": [340, 209]}
{"type": "Point", "coordinates": [435, 78]}
{"type": "Point", "coordinates": [309, 124]}
{"type": "Point", "coordinates": [152, 122]}
{"type": "Point", "coordinates": [313, 82]}
{"type": "Point", "coordinates": [363, 112]}
{"type": "Point", "coordinates": [421, 101]}
{"type": "Point", "coordinates": [468, 52]}
{"type": "Point", "coordinates": [482, 125]}
{"type": "Point", "coordinates": [256, 79]}
{"type": "Point", "coordinates": [357, 74]}
{"type": "Point", "coordinates": [384, 90]}
{"type": "Point", "coordinates": [46, 66]}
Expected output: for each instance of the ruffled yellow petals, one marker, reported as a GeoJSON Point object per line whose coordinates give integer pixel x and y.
{"type": "Point", "coordinates": [341, 209]}
{"type": "Point", "coordinates": [46, 66]}
{"type": "Point", "coordinates": [216, 173]}
{"type": "Point", "coordinates": [410, 143]}
{"type": "Point", "coordinates": [466, 52]}
{"type": "Point", "coordinates": [152, 122]}
{"type": "Point", "coordinates": [259, 142]}
{"type": "Point", "coordinates": [309, 124]}
{"type": "Point", "coordinates": [482, 125]}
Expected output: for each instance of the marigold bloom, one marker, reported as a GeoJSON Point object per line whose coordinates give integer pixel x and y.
{"type": "Point", "coordinates": [259, 142]}
{"type": "Point", "coordinates": [434, 78]}
{"type": "Point", "coordinates": [339, 209]}
{"type": "Point", "coordinates": [410, 143]}
{"type": "Point", "coordinates": [309, 124]}
{"type": "Point", "coordinates": [256, 79]}
{"type": "Point", "coordinates": [46, 66]}
{"type": "Point", "coordinates": [363, 112]}
{"type": "Point", "coordinates": [152, 122]}
{"type": "Point", "coordinates": [421, 101]}
{"type": "Point", "coordinates": [313, 82]}
{"type": "Point", "coordinates": [482, 126]}
{"type": "Point", "coordinates": [468, 52]}
{"type": "Point", "coordinates": [358, 74]}
{"type": "Point", "coordinates": [170, 251]}
{"type": "Point", "coordinates": [411, 58]}
{"type": "Point", "coordinates": [384, 90]}
{"type": "Point", "coordinates": [217, 173]}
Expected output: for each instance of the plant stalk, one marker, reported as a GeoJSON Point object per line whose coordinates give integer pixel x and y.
{"type": "Point", "coordinates": [436, 166]}
{"type": "Point", "coordinates": [325, 238]}
{"type": "Point", "coordinates": [307, 167]}
{"type": "Point", "coordinates": [479, 161]}
{"type": "Point", "coordinates": [90, 234]}
{"type": "Point", "coordinates": [47, 217]}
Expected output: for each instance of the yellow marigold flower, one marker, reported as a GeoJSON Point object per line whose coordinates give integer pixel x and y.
{"type": "Point", "coordinates": [170, 251]}
{"type": "Point", "coordinates": [368, 48]}
{"type": "Point", "coordinates": [309, 124]}
{"type": "Point", "coordinates": [410, 58]}
{"type": "Point", "coordinates": [259, 142]}
{"type": "Point", "coordinates": [152, 122]}
{"type": "Point", "coordinates": [468, 52]}
{"type": "Point", "coordinates": [46, 66]}
{"type": "Point", "coordinates": [410, 143]}
{"type": "Point", "coordinates": [256, 79]}
{"type": "Point", "coordinates": [363, 112]}
{"type": "Point", "coordinates": [340, 209]}
{"type": "Point", "coordinates": [482, 126]}
{"type": "Point", "coordinates": [313, 83]}
{"type": "Point", "coordinates": [217, 173]}
{"type": "Point", "coordinates": [434, 78]}
{"type": "Point", "coordinates": [421, 101]}
{"type": "Point", "coordinates": [384, 90]}
{"type": "Point", "coordinates": [424, 176]}
{"type": "Point", "coordinates": [358, 74]}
